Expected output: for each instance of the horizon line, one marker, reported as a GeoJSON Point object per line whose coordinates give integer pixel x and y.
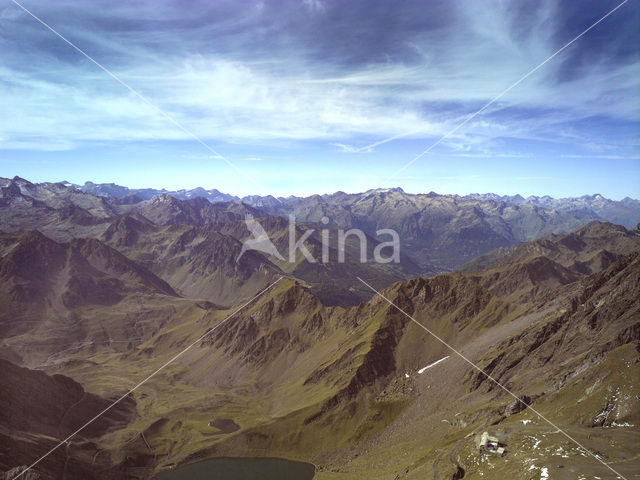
{"type": "Point", "coordinates": [164, 190]}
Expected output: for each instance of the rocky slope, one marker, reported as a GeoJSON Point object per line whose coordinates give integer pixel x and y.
{"type": "Point", "coordinates": [589, 249]}
{"type": "Point", "coordinates": [197, 262]}
{"type": "Point", "coordinates": [83, 295]}
{"type": "Point", "coordinates": [36, 269]}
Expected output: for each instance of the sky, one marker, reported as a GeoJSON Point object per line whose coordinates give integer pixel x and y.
{"type": "Point", "coordinates": [315, 96]}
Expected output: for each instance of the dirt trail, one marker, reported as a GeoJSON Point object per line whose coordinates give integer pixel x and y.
{"type": "Point", "coordinates": [60, 434]}
{"type": "Point", "coordinates": [66, 460]}
{"type": "Point", "coordinates": [435, 467]}
{"type": "Point", "coordinates": [460, 472]}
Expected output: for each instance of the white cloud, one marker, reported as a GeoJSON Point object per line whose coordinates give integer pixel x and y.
{"type": "Point", "coordinates": [290, 97]}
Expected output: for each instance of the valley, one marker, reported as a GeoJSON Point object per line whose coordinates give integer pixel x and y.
{"type": "Point", "coordinates": [100, 292]}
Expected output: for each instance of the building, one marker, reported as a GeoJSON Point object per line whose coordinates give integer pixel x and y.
{"type": "Point", "coordinates": [487, 443]}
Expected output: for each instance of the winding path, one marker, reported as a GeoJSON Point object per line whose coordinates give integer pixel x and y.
{"type": "Point", "coordinates": [460, 472]}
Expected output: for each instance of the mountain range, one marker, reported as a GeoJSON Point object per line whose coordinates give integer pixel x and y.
{"type": "Point", "coordinates": [597, 207]}
{"type": "Point", "coordinates": [439, 232]}
{"type": "Point", "coordinates": [99, 291]}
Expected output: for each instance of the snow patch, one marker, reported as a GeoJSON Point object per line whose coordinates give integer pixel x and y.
{"type": "Point", "coordinates": [616, 424]}
{"type": "Point", "coordinates": [544, 471]}
{"type": "Point", "coordinates": [434, 363]}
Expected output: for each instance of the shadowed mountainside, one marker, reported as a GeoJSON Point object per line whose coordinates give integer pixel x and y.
{"type": "Point", "coordinates": [197, 262]}
{"type": "Point", "coordinates": [39, 410]}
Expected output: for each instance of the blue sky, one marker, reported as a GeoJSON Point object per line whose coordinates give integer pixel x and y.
{"type": "Point", "coordinates": [316, 96]}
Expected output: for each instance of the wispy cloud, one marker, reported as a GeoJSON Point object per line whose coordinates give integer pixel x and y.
{"type": "Point", "coordinates": [312, 72]}
{"type": "Point", "coordinates": [350, 148]}
{"type": "Point", "coordinates": [605, 157]}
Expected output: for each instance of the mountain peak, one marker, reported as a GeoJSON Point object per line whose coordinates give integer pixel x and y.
{"type": "Point", "coordinates": [164, 198]}
{"type": "Point", "coordinates": [21, 181]}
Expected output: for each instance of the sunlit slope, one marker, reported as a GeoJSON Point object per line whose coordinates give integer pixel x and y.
{"type": "Point", "coordinates": [347, 388]}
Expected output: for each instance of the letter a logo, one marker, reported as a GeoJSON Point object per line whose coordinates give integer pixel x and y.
{"type": "Point", "coordinates": [260, 241]}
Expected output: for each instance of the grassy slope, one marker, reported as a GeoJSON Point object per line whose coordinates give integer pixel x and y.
{"type": "Point", "coordinates": [330, 394]}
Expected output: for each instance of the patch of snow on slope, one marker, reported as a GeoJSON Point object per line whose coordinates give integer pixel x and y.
{"type": "Point", "coordinates": [434, 363]}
